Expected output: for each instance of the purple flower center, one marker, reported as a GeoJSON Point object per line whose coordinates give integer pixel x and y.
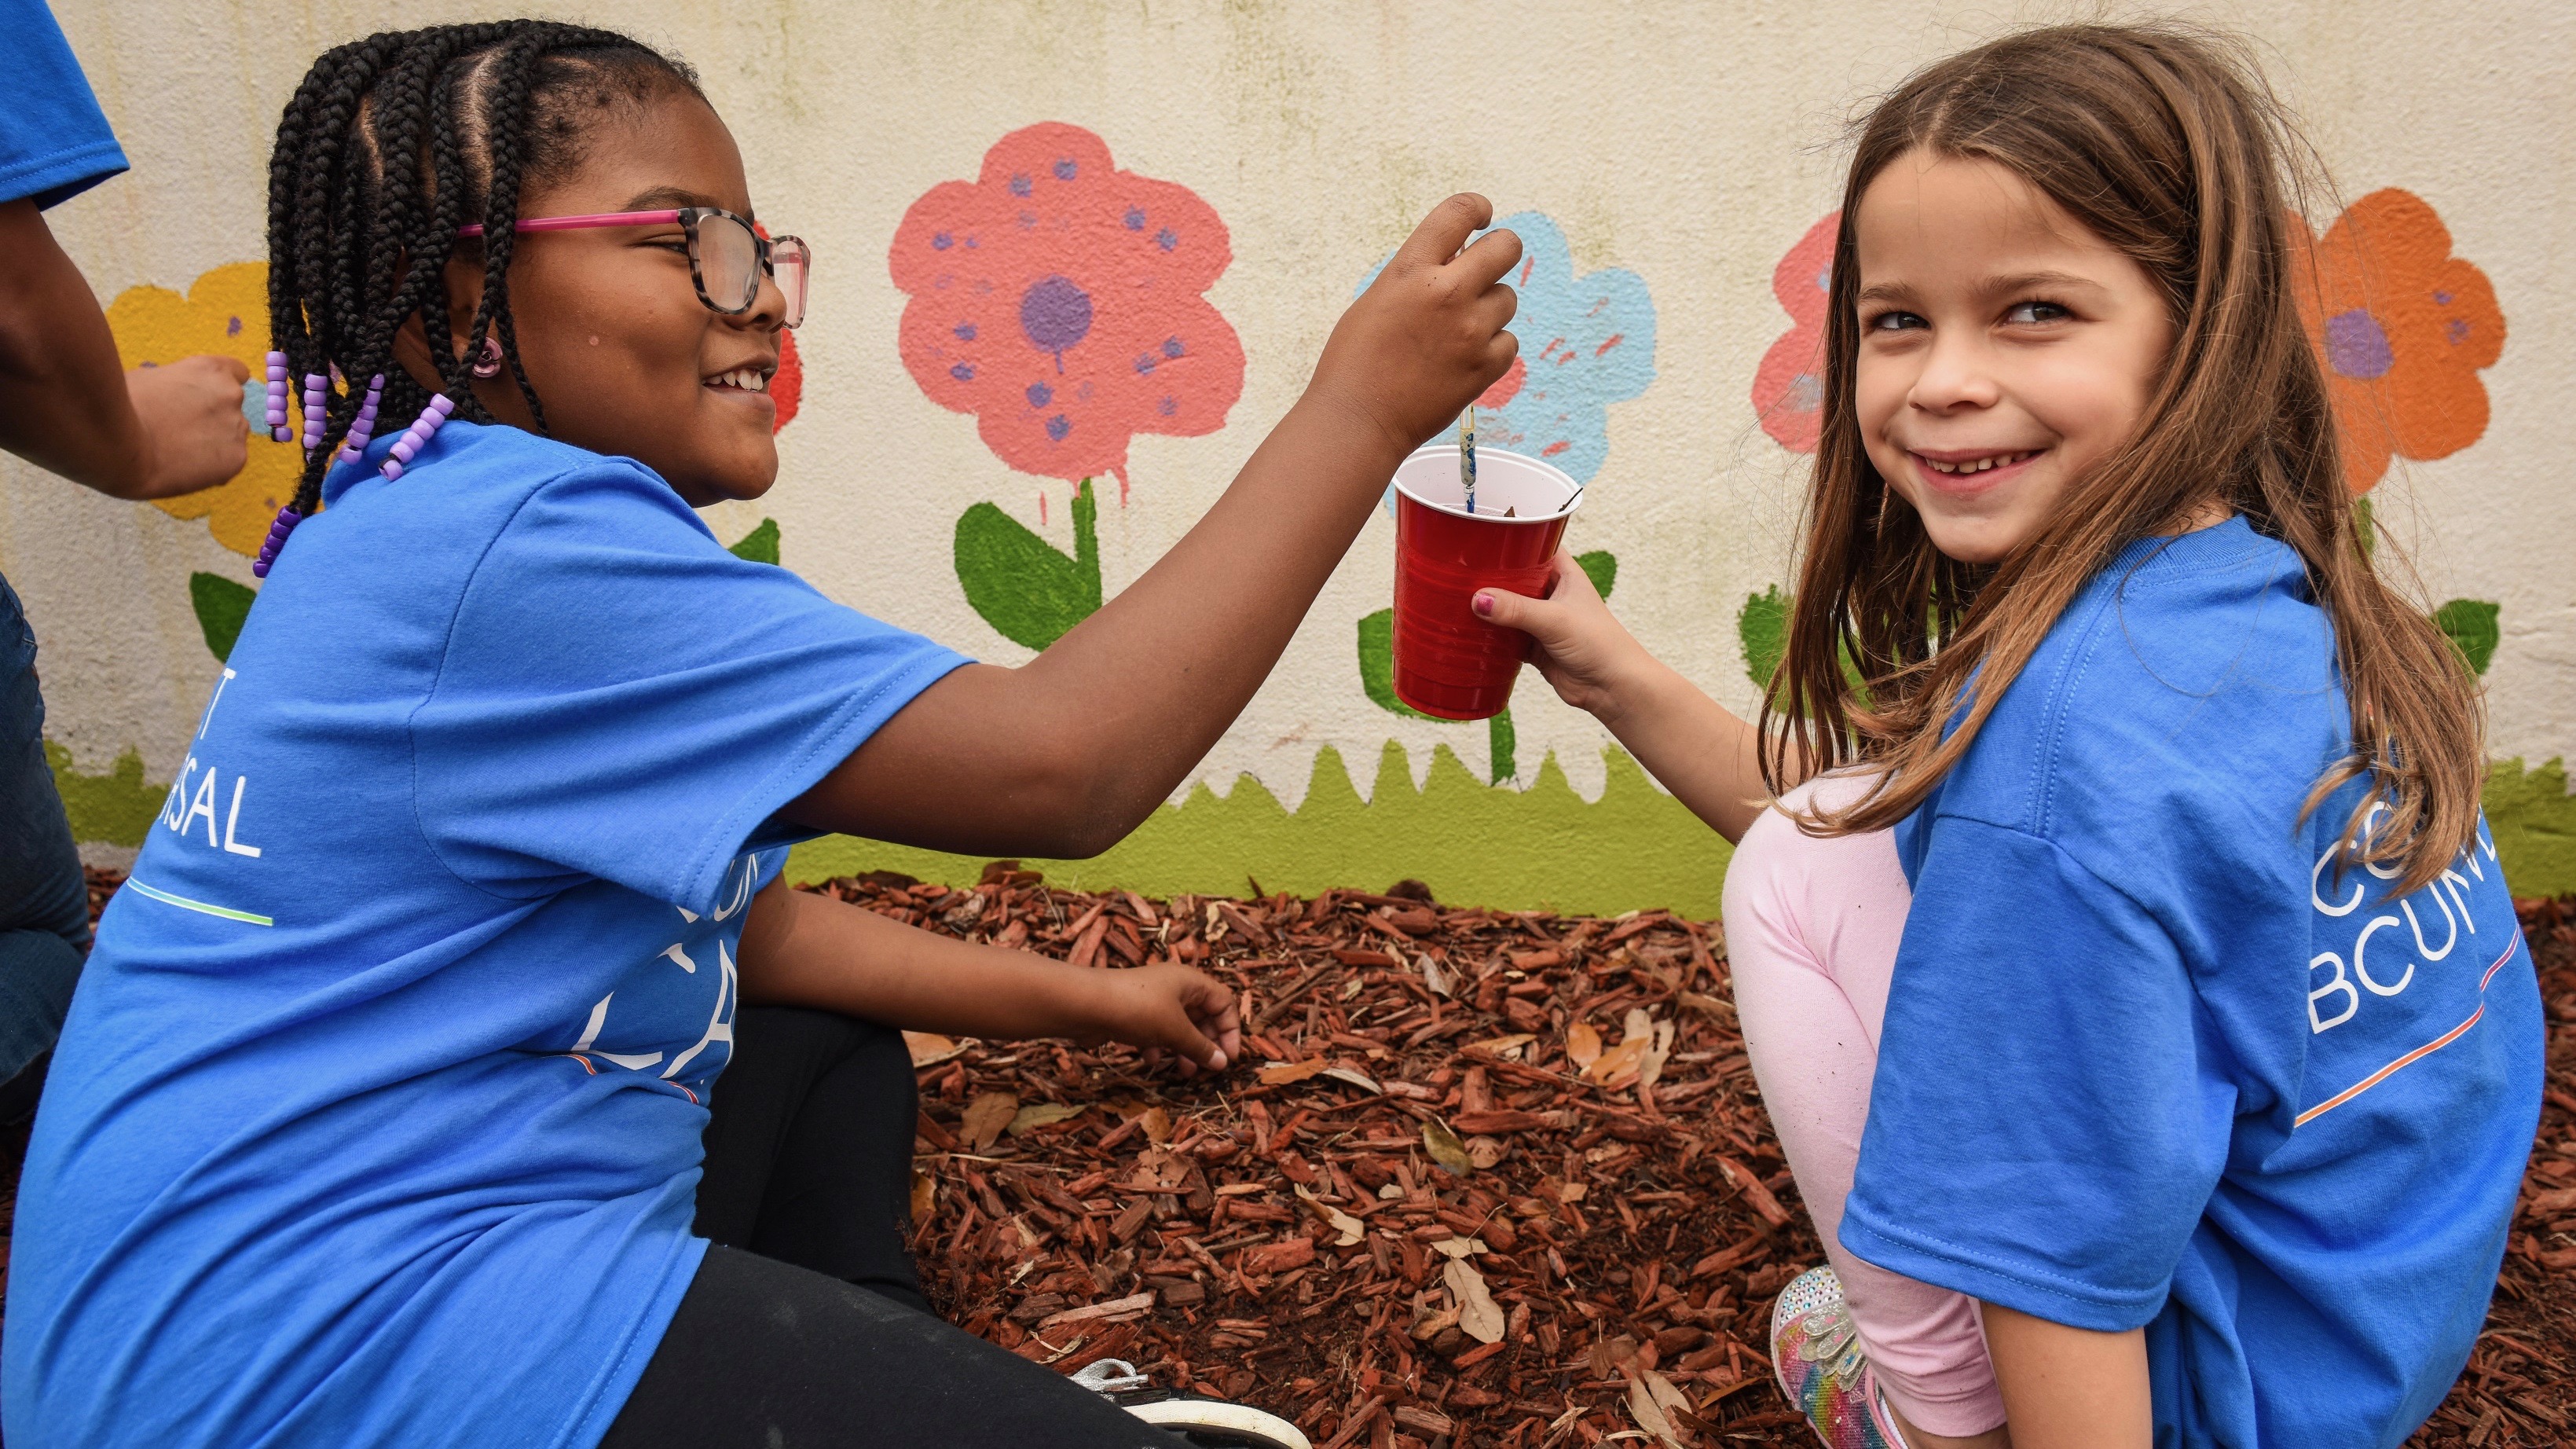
{"type": "Point", "coordinates": [2357, 347]}
{"type": "Point", "coordinates": [1055, 314]}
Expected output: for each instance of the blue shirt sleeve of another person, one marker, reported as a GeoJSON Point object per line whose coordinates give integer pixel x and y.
{"type": "Point", "coordinates": [54, 140]}
{"type": "Point", "coordinates": [622, 698]}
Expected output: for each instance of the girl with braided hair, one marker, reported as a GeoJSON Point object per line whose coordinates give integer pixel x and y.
{"type": "Point", "coordinates": [388, 1110]}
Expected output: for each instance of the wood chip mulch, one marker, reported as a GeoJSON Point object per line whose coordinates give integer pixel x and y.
{"type": "Point", "coordinates": [1488, 1177]}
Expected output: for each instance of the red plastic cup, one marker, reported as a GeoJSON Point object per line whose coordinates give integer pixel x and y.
{"type": "Point", "coordinates": [1448, 662]}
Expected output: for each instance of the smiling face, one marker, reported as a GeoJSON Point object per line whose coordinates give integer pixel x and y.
{"type": "Point", "coordinates": [2004, 348]}
{"type": "Point", "coordinates": [622, 354]}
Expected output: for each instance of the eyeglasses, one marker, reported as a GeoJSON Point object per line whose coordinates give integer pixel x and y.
{"type": "Point", "coordinates": [728, 255]}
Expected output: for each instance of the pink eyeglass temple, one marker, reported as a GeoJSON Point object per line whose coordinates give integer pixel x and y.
{"type": "Point", "coordinates": [575, 223]}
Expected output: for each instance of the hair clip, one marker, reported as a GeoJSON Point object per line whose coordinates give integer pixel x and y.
{"type": "Point", "coordinates": [364, 427]}
{"type": "Point", "coordinates": [284, 524]}
{"type": "Point", "coordinates": [316, 387]}
{"type": "Point", "coordinates": [408, 446]}
{"type": "Point", "coordinates": [277, 388]}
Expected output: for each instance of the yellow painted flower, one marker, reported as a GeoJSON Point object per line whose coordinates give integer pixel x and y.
{"type": "Point", "coordinates": [226, 313]}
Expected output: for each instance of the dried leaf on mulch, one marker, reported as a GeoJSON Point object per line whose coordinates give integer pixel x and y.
{"type": "Point", "coordinates": [1292, 1238]}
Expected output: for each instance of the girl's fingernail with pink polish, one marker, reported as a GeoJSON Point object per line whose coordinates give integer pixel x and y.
{"type": "Point", "coordinates": [1484, 606]}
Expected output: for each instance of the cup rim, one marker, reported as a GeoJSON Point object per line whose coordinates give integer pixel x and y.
{"type": "Point", "coordinates": [1450, 451]}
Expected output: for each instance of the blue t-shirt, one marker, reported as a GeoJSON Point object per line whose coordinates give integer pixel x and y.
{"type": "Point", "coordinates": [54, 143]}
{"type": "Point", "coordinates": [377, 1117]}
{"type": "Point", "coordinates": [2151, 1058]}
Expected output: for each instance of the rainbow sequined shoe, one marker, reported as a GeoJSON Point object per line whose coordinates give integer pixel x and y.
{"type": "Point", "coordinates": [1816, 1354]}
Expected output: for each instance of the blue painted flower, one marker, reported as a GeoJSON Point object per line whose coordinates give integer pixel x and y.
{"type": "Point", "coordinates": [1586, 342]}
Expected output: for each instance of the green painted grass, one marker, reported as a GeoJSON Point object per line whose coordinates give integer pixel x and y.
{"type": "Point", "coordinates": [1473, 844]}
{"type": "Point", "coordinates": [1544, 848]}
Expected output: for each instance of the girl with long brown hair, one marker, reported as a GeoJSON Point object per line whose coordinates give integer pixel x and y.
{"type": "Point", "coordinates": [2121, 951]}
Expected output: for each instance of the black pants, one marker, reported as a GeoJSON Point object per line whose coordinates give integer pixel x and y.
{"type": "Point", "coordinates": [805, 1327]}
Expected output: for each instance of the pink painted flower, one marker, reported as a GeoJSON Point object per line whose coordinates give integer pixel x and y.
{"type": "Point", "coordinates": [1789, 387]}
{"type": "Point", "coordinates": [1057, 298]}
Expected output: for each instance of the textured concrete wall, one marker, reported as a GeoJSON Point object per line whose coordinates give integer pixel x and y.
{"type": "Point", "coordinates": [1245, 166]}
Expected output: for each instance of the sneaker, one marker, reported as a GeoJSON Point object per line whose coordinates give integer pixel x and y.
{"type": "Point", "coordinates": [1815, 1353]}
{"type": "Point", "coordinates": [1205, 1422]}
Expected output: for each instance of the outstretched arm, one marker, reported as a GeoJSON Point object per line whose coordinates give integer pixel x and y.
{"type": "Point", "coordinates": [802, 949]}
{"type": "Point", "coordinates": [1694, 746]}
{"type": "Point", "coordinates": [66, 405]}
{"type": "Point", "coordinates": [1066, 754]}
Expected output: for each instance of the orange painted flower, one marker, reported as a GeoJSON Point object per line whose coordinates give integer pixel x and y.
{"type": "Point", "coordinates": [1789, 387]}
{"type": "Point", "coordinates": [2403, 328]}
{"type": "Point", "coordinates": [225, 313]}
{"type": "Point", "coordinates": [1057, 298]}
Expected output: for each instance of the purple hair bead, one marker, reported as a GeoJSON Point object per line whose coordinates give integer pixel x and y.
{"type": "Point", "coordinates": [316, 387]}
{"type": "Point", "coordinates": [287, 518]}
{"type": "Point", "coordinates": [416, 437]}
{"type": "Point", "coordinates": [364, 427]}
{"type": "Point", "coordinates": [277, 387]}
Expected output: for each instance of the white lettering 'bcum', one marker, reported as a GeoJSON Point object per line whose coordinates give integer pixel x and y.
{"type": "Point", "coordinates": [2449, 941]}
{"type": "Point", "coordinates": [675, 952]}
{"type": "Point", "coordinates": [232, 823]}
{"type": "Point", "coordinates": [598, 1019]}
{"type": "Point", "coordinates": [2361, 972]}
{"type": "Point", "coordinates": [2351, 998]}
{"type": "Point", "coordinates": [2315, 878]}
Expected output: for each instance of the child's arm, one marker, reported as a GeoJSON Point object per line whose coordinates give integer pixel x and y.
{"type": "Point", "coordinates": [1065, 755]}
{"type": "Point", "coordinates": [802, 949]}
{"type": "Point", "coordinates": [2069, 1388]}
{"type": "Point", "coordinates": [66, 405]}
{"type": "Point", "coordinates": [1691, 743]}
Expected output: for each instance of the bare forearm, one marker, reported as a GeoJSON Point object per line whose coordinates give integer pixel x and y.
{"type": "Point", "coordinates": [801, 949]}
{"type": "Point", "coordinates": [63, 402]}
{"type": "Point", "coordinates": [2070, 1388]}
{"type": "Point", "coordinates": [1697, 748]}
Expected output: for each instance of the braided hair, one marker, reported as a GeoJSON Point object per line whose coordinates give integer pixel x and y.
{"type": "Point", "coordinates": [392, 144]}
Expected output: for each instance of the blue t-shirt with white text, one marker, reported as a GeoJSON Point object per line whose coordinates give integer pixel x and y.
{"type": "Point", "coordinates": [377, 1116]}
{"type": "Point", "coordinates": [2153, 1057]}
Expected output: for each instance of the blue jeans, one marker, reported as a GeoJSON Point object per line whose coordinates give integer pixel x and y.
{"type": "Point", "coordinates": [44, 904]}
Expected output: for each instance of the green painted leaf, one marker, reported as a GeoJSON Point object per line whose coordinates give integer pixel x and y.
{"type": "Point", "coordinates": [1602, 567]}
{"type": "Point", "coordinates": [1022, 585]}
{"type": "Point", "coordinates": [1762, 627]}
{"type": "Point", "coordinates": [2474, 628]}
{"type": "Point", "coordinates": [1377, 665]}
{"type": "Point", "coordinates": [1501, 740]}
{"type": "Point", "coordinates": [761, 544]}
{"type": "Point", "coordinates": [222, 606]}
{"type": "Point", "coordinates": [2364, 529]}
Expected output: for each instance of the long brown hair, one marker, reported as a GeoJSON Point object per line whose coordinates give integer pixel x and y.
{"type": "Point", "coordinates": [2166, 143]}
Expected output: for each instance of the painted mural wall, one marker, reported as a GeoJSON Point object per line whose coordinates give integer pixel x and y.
{"type": "Point", "coordinates": [1074, 258]}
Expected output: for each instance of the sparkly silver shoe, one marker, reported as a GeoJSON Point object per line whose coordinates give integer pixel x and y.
{"type": "Point", "coordinates": [1815, 1353]}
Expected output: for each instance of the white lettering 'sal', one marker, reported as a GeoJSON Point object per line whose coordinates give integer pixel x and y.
{"type": "Point", "coordinates": [232, 822]}
{"type": "Point", "coordinates": [203, 804]}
